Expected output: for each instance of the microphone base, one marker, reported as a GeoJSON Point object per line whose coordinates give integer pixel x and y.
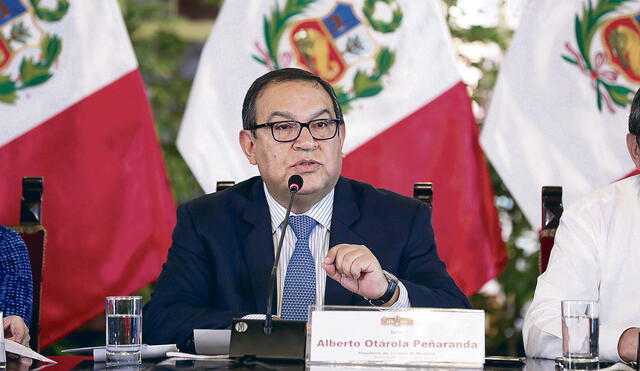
{"type": "Point", "coordinates": [287, 340]}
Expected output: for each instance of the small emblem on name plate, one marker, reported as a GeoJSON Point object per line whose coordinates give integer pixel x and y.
{"type": "Point", "coordinates": [396, 321]}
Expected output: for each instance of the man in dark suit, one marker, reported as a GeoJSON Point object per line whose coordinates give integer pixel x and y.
{"type": "Point", "coordinates": [359, 237]}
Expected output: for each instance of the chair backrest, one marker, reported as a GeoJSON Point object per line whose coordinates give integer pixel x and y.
{"type": "Point", "coordinates": [424, 193]}
{"type": "Point", "coordinates": [34, 236]}
{"type": "Point", "coordinates": [224, 184]}
{"type": "Point", "coordinates": [551, 213]}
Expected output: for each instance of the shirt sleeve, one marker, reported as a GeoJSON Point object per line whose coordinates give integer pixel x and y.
{"type": "Point", "coordinates": [16, 282]}
{"type": "Point", "coordinates": [573, 273]}
{"type": "Point", "coordinates": [403, 299]}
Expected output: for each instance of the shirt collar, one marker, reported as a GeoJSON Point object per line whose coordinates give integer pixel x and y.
{"type": "Point", "coordinates": [321, 211]}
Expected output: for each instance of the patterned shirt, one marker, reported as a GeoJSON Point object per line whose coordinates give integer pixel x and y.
{"type": "Point", "coordinates": [16, 282]}
{"type": "Point", "coordinates": [318, 243]}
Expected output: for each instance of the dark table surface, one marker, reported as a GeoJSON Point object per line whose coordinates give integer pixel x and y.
{"type": "Point", "coordinates": [86, 363]}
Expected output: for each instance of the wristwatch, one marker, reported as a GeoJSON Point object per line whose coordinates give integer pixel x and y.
{"type": "Point", "coordinates": [388, 295]}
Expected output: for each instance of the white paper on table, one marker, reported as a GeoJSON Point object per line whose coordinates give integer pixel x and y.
{"type": "Point", "coordinates": [11, 346]}
{"type": "Point", "coordinates": [146, 351]}
{"type": "Point", "coordinates": [199, 357]}
{"type": "Point", "coordinates": [212, 342]}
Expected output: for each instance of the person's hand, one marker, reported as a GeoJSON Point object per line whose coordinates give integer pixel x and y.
{"type": "Point", "coordinates": [357, 270]}
{"type": "Point", "coordinates": [16, 330]}
{"type": "Point", "coordinates": [628, 344]}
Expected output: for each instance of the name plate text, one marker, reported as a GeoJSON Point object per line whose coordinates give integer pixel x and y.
{"type": "Point", "coordinates": [396, 337]}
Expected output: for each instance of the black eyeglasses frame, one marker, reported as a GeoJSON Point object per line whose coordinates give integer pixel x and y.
{"type": "Point", "coordinates": [302, 126]}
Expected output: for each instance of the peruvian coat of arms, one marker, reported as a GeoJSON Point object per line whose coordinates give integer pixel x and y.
{"type": "Point", "coordinates": [614, 69]}
{"type": "Point", "coordinates": [340, 45]}
{"type": "Point", "coordinates": [27, 52]}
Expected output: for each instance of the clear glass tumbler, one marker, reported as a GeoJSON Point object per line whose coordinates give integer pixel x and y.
{"type": "Point", "coordinates": [3, 355]}
{"type": "Point", "coordinates": [580, 334]}
{"type": "Point", "coordinates": [124, 330]}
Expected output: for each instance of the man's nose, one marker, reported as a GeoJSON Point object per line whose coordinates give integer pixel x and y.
{"type": "Point", "coordinates": [305, 141]}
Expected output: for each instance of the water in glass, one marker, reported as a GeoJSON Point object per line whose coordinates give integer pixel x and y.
{"type": "Point", "coordinates": [124, 337]}
{"type": "Point", "coordinates": [580, 339]}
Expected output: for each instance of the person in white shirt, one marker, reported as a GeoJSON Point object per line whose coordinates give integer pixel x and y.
{"type": "Point", "coordinates": [595, 257]}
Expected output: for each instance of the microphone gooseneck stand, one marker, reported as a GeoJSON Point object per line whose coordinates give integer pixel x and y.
{"type": "Point", "coordinates": [295, 184]}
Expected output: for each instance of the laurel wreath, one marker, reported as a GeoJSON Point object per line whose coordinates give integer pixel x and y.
{"type": "Point", "coordinates": [367, 84]}
{"type": "Point", "coordinates": [35, 72]}
{"type": "Point", "coordinates": [585, 29]}
{"type": "Point", "coordinates": [364, 84]}
{"type": "Point", "coordinates": [49, 15]}
{"type": "Point", "coordinates": [378, 25]}
{"type": "Point", "coordinates": [276, 24]}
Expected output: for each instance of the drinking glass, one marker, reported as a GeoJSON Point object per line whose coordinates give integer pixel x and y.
{"type": "Point", "coordinates": [124, 330]}
{"type": "Point", "coordinates": [3, 355]}
{"type": "Point", "coordinates": [580, 334]}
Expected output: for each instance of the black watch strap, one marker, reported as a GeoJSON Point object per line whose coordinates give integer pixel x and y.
{"type": "Point", "coordinates": [391, 290]}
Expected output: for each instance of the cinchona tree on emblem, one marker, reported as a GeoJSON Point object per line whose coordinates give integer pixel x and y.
{"type": "Point", "coordinates": [621, 42]}
{"type": "Point", "coordinates": [331, 44]}
{"type": "Point", "coordinates": [20, 34]}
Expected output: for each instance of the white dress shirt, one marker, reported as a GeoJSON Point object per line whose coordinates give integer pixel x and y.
{"type": "Point", "coordinates": [596, 256]}
{"type": "Point", "coordinates": [318, 243]}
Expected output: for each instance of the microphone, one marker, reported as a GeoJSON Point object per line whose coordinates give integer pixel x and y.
{"type": "Point", "coordinates": [258, 339]}
{"type": "Point", "coordinates": [295, 185]}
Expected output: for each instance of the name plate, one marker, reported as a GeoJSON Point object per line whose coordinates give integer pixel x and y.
{"type": "Point", "coordinates": [416, 336]}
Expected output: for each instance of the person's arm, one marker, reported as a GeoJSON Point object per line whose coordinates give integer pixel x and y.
{"type": "Point", "coordinates": [572, 274]}
{"type": "Point", "coordinates": [422, 274]}
{"type": "Point", "coordinates": [16, 286]}
{"type": "Point", "coordinates": [183, 298]}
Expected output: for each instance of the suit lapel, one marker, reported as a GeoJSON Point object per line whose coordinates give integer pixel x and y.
{"type": "Point", "coordinates": [345, 214]}
{"type": "Point", "coordinates": [258, 244]}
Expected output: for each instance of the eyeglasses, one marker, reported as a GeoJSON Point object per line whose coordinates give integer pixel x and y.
{"type": "Point", "coordinates": [288, 131]}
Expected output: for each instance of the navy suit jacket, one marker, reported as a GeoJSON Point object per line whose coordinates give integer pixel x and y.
{"type": "Point", "coordinates": [222, 253]}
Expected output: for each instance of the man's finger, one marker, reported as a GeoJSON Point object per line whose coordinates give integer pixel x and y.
{"type": "Point", "coordinates": [331, 254]}
{"type": "Point", "coordinates": [331, 272]}
{"type": "Point", "coordinates": [359, 266]}
{"type": "Point", "coordinates": [26, 339]}
{"type": "Point", "coordinates": [343, 252]}
{"type": "Point", "coordinates": [347, 262]}
{"type": "Point", "coordinates": [329, 268]}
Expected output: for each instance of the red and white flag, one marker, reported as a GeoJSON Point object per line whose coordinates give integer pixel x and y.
{"type": "Point", "coordinates": [73, 109]}
{"type": "Point", "coordinates": [559, 112]}
{"type": "Point", "coordinates": [407, 113]}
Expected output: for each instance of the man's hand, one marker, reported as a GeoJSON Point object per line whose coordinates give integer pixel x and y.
{"type": "Point", "coordinates": [16, 330]}
{"type": "Point", "coordinates": [628, 344]}
{"type": "Point", "coordinates": [358, 271]}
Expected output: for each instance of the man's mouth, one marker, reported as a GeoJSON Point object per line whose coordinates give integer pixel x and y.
{"type": "Point", "coordinates": [306, 165]}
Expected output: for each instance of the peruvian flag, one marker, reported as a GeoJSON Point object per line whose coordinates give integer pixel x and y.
{"type": "Point", "coordinates": [73, 109]}
{"type": "Point", "coordinates": [559, 112]}
{"type": "Point", "coordinates": [407, 113]}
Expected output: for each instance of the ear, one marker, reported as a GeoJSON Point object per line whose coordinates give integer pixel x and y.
{"type": "Point", "coordinates": [247, 144]}
{"type": "Point", "coordinates": [634, 150]}
{"type": "Point", "coordinates": [342, 133]}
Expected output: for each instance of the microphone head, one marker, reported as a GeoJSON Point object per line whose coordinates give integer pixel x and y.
{"type": "Point", "coordinates": [295, 183]}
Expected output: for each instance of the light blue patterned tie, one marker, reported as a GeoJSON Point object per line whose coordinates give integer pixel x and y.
{"type": "Point", "coordinates": [300, 281]}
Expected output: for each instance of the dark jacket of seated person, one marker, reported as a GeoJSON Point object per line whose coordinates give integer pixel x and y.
{"type": "Point", "coordinates": [219, 263]}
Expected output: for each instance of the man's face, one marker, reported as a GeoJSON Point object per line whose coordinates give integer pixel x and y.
{"type": "Point", "coordinates": [319, 162]}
